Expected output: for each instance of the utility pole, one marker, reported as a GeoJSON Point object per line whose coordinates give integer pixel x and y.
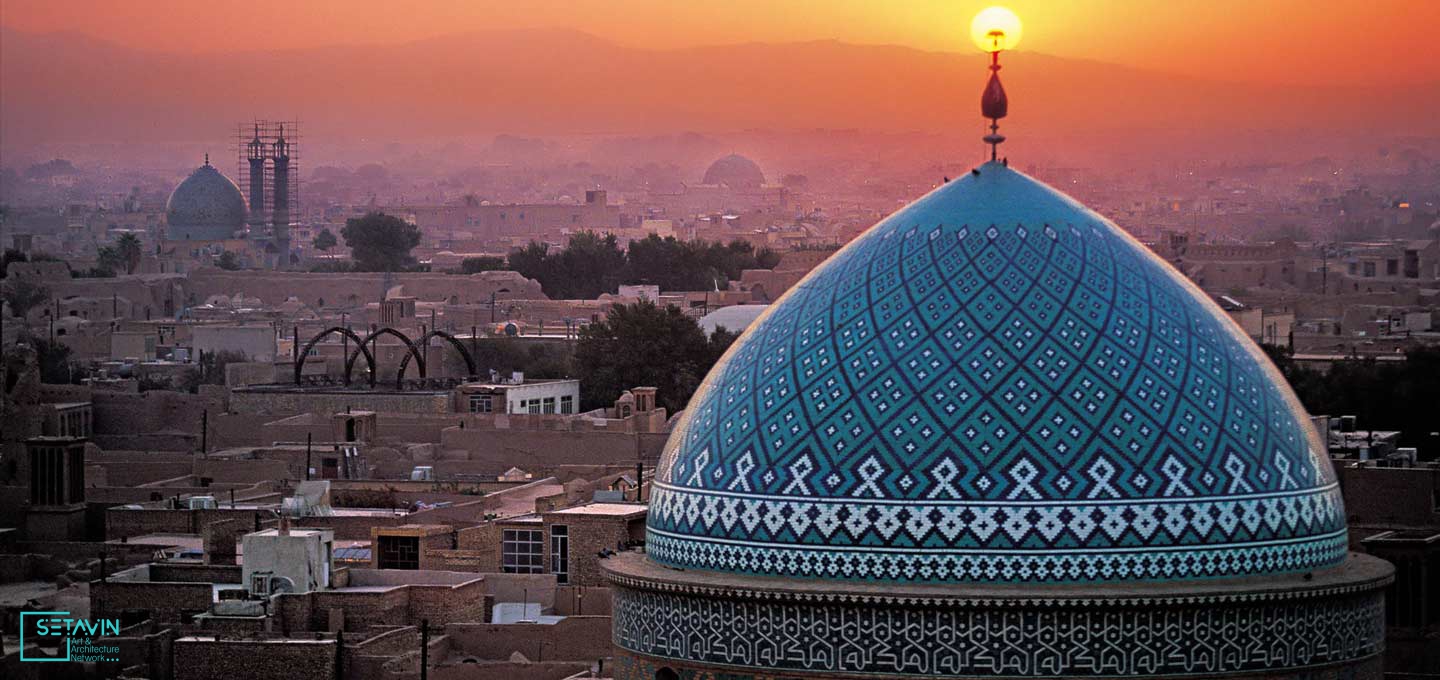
{"type": "Point", "coordinates": [204, 432]}
{"type": "Point", "coordinates": [307, 456]}
{"type": "Point", "coordinates": [424, 649]}
{"type": "Point", "coordinates": [339, 655]}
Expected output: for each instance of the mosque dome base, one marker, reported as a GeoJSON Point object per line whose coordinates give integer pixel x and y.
{"type": "Point", "coordinates": [694, 625]}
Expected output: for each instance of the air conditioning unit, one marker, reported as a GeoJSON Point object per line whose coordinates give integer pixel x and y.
{"type": "Point", "coordinates": [265, 583]}
{"type": "Point", "coordinates": [260, 584]}
{"type": "Point", "coordinates": [203, 503]}
{"type": "Point", "coordinates": [422, 473]}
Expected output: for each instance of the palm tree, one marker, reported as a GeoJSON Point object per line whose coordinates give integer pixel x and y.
{"type": "Point", "coordinates": [129, 249]}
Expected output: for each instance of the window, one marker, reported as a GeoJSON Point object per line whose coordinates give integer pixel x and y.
{"type": "Point", "coordinates": [560, 552]}
{"type": "Point", "coordinates": [399, 552]}
{"type": "Point", "coordinates": [522, 551]}
{"type": "Point", "coordinates": [1369, 268]}
{"type": "Point", "coordinates": [480, 403]}
{"type": "Point", "coordinates": [1392, 267]}
{"type": "Point", "coordinates": [530, 406]}
{"type": "Point", "coordinates": [548, 405]}
{"type": "Point", "coordinates": [567, 404]}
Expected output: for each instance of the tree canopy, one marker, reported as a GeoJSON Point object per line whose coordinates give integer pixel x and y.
{"type": "Point", "coordinates": [325, 240]}
{"type": "Point", "coordinates": [108, 262]}
{"type": "Point", "coordinates": [483, 263]}
{"type": "Point", "coordinates": [592, 264]}
{"type": "Point", "coordinates": [228, 261]}
{"type": "Point", "coordinates": [380, 242]}
{"type": "Point", "coordinates": [127, 249]}
{"type": "Point", "coordinates": [11, 255]}
{"type": "Point", "coordinates": [24, 295]}
{"type": "Point", "coordinates": [645, 345]}
{"type": "Point", "coordinates": [1384, 395]}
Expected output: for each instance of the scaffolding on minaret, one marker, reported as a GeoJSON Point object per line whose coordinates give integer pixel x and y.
{"type": "Point", "coordinates": [260, 170]}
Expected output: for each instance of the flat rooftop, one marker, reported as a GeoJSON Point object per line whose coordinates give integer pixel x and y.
{"type": "Point", "coordinates": [605, 510]}
{"type": "Point", "coordinates": [526, 383]}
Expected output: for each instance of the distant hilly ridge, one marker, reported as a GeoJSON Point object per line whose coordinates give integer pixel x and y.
{"type": "Point", "coordinates": [74, 88]}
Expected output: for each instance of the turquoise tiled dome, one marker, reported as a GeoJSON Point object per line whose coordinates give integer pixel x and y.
{"type": "Point", "coordinates": [207, 206]}
{"type": "Point", "coordinates": [995, 384]}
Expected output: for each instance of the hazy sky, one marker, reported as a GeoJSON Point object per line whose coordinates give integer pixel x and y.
{"type": "Point", "coordinates": [1271, 41]}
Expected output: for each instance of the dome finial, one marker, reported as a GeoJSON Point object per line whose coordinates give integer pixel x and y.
{"type": "Point", "coordinates": [207, 158]}
{"type": "Point", "coordinates": [994, 30]}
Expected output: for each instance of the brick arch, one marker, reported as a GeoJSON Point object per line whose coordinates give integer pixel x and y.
{"type": "Point", "coordinates": [454, 342]}
{"type": "Point", "coordinates": [374, 368]}
{"type": "Point", "coordinates": [300, 362]}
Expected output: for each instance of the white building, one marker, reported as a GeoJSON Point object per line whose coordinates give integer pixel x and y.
{"type": "Point", "coordinates": [518, 395]}
{"type": "Point", "coordinates": [287, 560]}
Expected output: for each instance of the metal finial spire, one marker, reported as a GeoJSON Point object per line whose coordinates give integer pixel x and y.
{"type": "Point", "coordinates": [207, 158]}
{"type": "Point", "coordinates": [994, 104]}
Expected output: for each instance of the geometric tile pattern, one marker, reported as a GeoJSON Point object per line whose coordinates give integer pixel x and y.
{"type": "Point", "coordinates": [995, 383]}
{"type": "Point", "coordinates": [1041, 639]}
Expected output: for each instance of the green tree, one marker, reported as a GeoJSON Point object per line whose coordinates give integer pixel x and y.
{"type": "Point", "coordinates": [380, 242]}
{"type": "Point", "coordinates": [108, 261]}
{"type": "Point", "coordinates": [23, 295]}
{"type": "Point", "coordinates": [483, 263]}
{"type": "Point", "coordinates": [11, 255]}
{"type": "Point", "coordinates": [127, 247]}
{"type": "Point", "coordinates": [228, 261]}
{"type": "Point", "coordinates": [325, 240]}
{"type": "Point", "coordinates": [592, 264]}
{"type": "Point", "coordinates": [1384, 396]}
{"type": "Point", "coordinates": [645, 345]}
{"type": "Point", "coordinates": [533, 261]}
{"type": "Point", "coordinates": [54, 362]}
{"type": "Point", "coordinates": [589, 265]}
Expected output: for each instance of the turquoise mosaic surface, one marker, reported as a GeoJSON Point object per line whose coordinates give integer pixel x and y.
{"type": "Point", "coordinates": [995, 384]}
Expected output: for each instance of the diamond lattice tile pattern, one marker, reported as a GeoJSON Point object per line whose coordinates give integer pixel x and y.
{"type": "Point", "coordinates": [995, 384]}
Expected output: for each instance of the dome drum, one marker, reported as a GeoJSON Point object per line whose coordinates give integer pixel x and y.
{"type": "Point", "coordinates": [995, 436]}
{"type": "Point", "coordinates": [723, 625]}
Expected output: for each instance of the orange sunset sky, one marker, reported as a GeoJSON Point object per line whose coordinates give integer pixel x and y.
{"type": "Point", "coordinates": [1314, 42]}
{"type": "Point", "coordinates": [1183, 72]}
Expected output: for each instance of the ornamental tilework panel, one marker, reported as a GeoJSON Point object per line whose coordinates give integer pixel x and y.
{"type": "Point", "coordinates": [1033, 640]}
{"type": "Point", "coordinates": [995, 383]}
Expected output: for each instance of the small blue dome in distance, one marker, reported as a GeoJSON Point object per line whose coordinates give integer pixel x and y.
{"type": "Point", "coordinates": [734, 171]}
{"type": "Point", "coordinates": [207, 206]}
{"type": "Point", "coordinates": [995, 384]}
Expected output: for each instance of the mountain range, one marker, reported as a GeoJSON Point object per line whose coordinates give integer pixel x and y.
{"type": "Point", "coordinates": [72, 88]}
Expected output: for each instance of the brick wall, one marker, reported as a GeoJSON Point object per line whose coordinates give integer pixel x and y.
{"type": "Point", "coordinates": [210, 659]}
{"type": "Point", "coordinates": [581, 638]}
{"type": "Point", "coordinates": [277, 403]}
{"type": "Point", "coordinates": [350, 527]}
{"type": "Point", "coordinates": [588, 536]}
{"type": "Point", "coordinates": [165, 602]}
{"type": "Point", "coordinates": [125, 523]}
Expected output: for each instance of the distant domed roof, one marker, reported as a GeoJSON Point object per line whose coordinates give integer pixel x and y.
{"type": "Point", "coordinates": [995, 384]}
{"type": "Point", "coordinates": [734, 171]}
{"type": "Point", "coordinates": [735, 318]}
{"type": "Point", "coordinates": [206, 206]}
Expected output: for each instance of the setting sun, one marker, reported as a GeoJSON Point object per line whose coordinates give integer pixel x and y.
{"type": "Point", "coordinates": [995, 29]}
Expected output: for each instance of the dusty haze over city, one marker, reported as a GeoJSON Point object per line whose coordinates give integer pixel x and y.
{"type": "Point", "coordinates": [1096, 84]}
